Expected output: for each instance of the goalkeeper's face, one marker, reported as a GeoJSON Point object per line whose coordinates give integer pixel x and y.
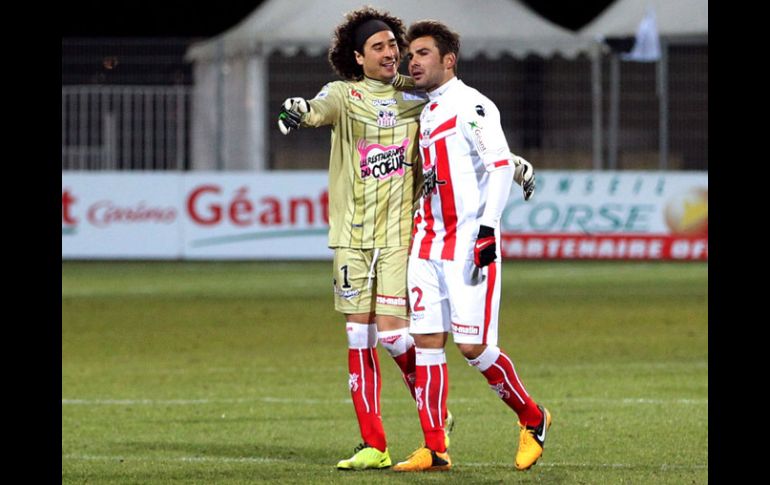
{"type": "Point", "coordinates": [381, 56]}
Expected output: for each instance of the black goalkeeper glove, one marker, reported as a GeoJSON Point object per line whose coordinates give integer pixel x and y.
{"type": "Point", "coordinates": [485, 249]}
{"type": "Point", "coordinates": [291, 114]}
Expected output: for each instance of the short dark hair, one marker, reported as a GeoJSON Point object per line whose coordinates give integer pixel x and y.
{"type": "Point", "coordinates": [447, 40]}
{"type": "Point", "coordinates": [341, 53]}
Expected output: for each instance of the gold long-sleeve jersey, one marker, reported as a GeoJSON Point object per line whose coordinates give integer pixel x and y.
{"type": "Point", "coordinates": [374, 167]}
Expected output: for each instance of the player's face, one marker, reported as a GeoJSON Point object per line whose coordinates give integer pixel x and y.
{"type": "Point", "coordinates": [426, 64]}
{"type": "Point", "coordinates": [381, 56]}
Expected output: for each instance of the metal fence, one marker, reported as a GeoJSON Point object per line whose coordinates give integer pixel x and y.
{"type": "Point", "coordinates": [112, 121]}
{"type": "Point", "coordinates": [546, 109]}
{"type": "Point", "coordinates": [125, 127]}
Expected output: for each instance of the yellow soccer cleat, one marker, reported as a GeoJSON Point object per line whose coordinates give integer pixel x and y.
{"type": "Point", "coordinates": [366, 457]}
{"type": "Point", "coordinates": [531, 441]}
{"type": "Point", "coordinates": [449, 425]}
{"type": "Point", "coordinates": [424, 460]}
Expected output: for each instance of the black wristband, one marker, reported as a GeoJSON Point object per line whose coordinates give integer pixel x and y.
{"type": "Point", "coordinates": [485, 231]}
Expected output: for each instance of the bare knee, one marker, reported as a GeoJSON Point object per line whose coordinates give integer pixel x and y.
{"type": "Point", "coordinates": [430, 340]}
{"type": "Point", "coordinates": [364, 318]}
{"type": "Point", "coordinates": [387, 322]}
{"type": "Point", "coordinates": [471, 351]}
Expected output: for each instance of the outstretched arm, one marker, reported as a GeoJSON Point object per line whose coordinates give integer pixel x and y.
{"type": "Point", "coordinates": [324, 109]}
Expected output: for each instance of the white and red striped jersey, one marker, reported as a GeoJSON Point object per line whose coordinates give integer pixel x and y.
{"type": "Point", "coordinates": [461, 141]}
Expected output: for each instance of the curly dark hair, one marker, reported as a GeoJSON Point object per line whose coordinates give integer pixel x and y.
{"type": "Point", "coordinates": [341, 53]}
{"type": "Point", "coordinates": [447, 41]}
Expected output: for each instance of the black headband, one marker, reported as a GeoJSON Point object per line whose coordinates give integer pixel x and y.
{"type": "Point", "coordinates": [366, 30]}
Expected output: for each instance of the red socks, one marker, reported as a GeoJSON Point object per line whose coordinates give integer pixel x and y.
{"type": "Point", "coordinates": [406, 362]}
{"type": "Point", "coordinates": [502, 378]}
{"type": "Point", "coordinates": [400, 345]}
{"type": "Point", "coordinates": [365, 383]}
{"type": "Point", "coordinates": [431, 388]}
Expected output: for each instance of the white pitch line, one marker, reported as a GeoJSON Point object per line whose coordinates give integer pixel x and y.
{"type": "Point", "coordinates": [629, 400]}
{"type": "Point", "coordinates": [261, 459]}
{"type": "Point", "coordinates": [288, 400]}
{"type": "Point", "coordinates": [187, 402]}
{"type": "Point", "coordinates": [193, 459]}
{"type": "Point", "coordinates": [662, 467]}
{"type": "Point", "coordinates": [150, 402]}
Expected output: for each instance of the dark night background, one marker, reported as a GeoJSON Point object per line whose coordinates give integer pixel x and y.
{"type": "Point", "coordinates": [186, 19]}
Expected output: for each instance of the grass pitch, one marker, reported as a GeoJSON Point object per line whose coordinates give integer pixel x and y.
{"type": "Point", "coordinates": [236, 372]}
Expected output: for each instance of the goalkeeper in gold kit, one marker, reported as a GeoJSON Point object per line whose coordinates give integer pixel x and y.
{"type": "Point", "coordinates": [374, 182]}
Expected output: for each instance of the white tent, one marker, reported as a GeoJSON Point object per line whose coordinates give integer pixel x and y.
{"type": "Point", "coordinates": [493, 27]}
{"type": "Point", "coordinates": [230, 70]}
{"type": "Point", "coordinates": [676, 22]}
{"type": "Point", "coordinates": [675, 18]}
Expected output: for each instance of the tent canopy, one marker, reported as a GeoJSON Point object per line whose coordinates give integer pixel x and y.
{"type": "Point", "coordinates": [231, 69]}
{"type": "Point", "coordinates": [674, 18]}
{"type": "Point", "coordinates": [308, 25]}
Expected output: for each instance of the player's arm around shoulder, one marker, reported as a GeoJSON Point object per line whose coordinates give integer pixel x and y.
{"type": "Point", "coordinates": [409, 93]}
{"type": "Point", "coordinates": [403, 83]}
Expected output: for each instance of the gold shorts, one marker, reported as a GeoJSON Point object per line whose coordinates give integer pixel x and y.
{"type": "Point", "coordinates": [371, 281]}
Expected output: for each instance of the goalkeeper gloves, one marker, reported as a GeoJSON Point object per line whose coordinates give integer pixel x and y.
{"type": "Point", "coordinates": [524, 175]}
{"type": "Point", "coordinates": [291, 114]}
{"type": "Point", "coordinates": [485, 249]}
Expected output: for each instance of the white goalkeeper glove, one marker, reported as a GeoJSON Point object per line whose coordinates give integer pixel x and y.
{"type": "Point", "coordinates": [291, 114]}
{"type": "Point", "coordinates": [524, 175]}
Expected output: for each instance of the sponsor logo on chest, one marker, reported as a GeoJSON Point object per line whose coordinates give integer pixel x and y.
{"type": "Point", "coordinates": [382, 162]}
{"type": "Point", "coordinates": [383, 102]}
{"type": "Point", "coordinates": [431, 182]}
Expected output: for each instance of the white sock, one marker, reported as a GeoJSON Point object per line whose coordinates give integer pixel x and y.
{"type": "Point", "coordinates": [361, 335]}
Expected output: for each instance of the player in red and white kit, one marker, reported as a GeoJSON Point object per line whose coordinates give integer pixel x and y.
{"type": "Point", "coordinates": [453, 276]}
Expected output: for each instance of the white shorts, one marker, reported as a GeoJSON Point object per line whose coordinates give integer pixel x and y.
{"type": "Point", "coordinates": [454, 296]}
